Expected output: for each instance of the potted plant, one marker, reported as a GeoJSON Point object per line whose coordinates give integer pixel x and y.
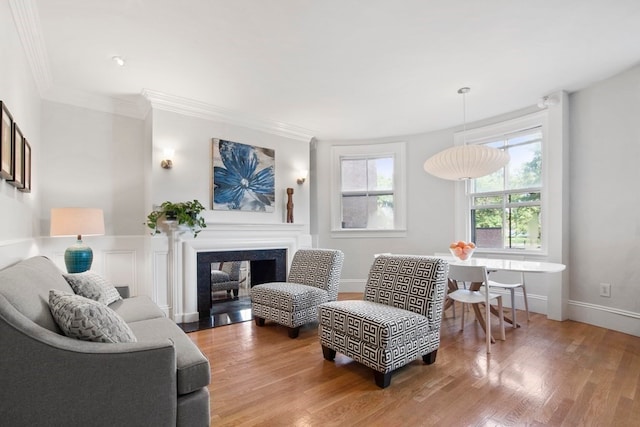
{"type": "Point", "coordinates": [185, 213]}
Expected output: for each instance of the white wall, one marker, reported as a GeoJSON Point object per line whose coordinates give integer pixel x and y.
{"type": "Point", "coordinates": [430, 208]}
{"type": "Point", "coordinates": [190, 177]}
{"type": "Point", "coordinates": [600, 194]}
{"type": "Point", "coordinates": [94, 159]}
{"type": "Point", "coordinates": [605, 202]}
{"type": "Point", "coordinates": [17, 89]}
{"type": "Point", "coordinates": [430, 202]}
{"type": "Point", "coordinates": [173, 261]}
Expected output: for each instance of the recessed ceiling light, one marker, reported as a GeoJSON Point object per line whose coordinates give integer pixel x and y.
{"type": "Point", "coordinates": [118, 60]}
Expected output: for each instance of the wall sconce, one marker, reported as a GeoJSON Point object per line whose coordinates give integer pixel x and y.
{"type": "Point", "coordinates": [302, 176]}
{"type": "Point", "coordinates": [167, 162]}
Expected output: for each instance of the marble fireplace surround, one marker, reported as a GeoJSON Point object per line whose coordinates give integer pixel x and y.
{"type": "Point", "coordinates": [183, 256]}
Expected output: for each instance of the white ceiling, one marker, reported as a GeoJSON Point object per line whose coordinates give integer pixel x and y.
{"type": "Point", "coordinates": [341, 69]}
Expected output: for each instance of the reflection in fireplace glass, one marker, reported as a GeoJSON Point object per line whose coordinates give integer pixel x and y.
{"type": "Point", "coordinates": [230, 279]}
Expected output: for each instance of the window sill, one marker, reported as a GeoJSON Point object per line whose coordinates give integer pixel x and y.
{"type": "Point", "coordinates": [505, 253]}
{"type": "Point", "coordinates": [363, 234]}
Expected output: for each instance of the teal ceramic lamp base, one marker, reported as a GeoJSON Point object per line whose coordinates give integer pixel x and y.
{"type": "Point", "coordinates": [78, 258]}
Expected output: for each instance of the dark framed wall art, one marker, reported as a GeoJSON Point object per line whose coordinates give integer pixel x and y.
{"type": "Point", "coordinates": [18, 158]}
{"type": "Point", "coordinates": [243, 177]}
{"type": "Point", "coordinates": [6, 143]}
{"type": "Point", "coordinates": [26, 161]}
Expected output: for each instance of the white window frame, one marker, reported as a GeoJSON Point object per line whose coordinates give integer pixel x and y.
{"type": "Point", "coordinates": [396, 150]}
{"type": "Point", "coordinates": [463, 200]}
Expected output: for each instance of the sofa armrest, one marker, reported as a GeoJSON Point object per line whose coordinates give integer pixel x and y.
{"type": "Point", "coordinates": [123, 291]}
{"type": "Point", "coordinates": [52, 379]}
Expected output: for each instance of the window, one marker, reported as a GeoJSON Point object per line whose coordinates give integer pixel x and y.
{"type": "Point", "coordinates": [369, 185]}
{"type": "Point", "coordinates": [505, 209]}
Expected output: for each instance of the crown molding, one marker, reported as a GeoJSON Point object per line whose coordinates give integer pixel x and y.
{"type": "Point", "coordinates": [135, 106]}
{"type": "Point", "coordinates": [27, 21]}
{"type": "Point", "coordinates": [190, 107]}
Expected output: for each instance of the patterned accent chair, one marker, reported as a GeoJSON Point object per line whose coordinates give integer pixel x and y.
{"type": "Point", "coordinates": [227, 278]}
{"type": "Point", "coordinates": [397, 321]}
{"type": "Point", "coordinates": [313, 279]}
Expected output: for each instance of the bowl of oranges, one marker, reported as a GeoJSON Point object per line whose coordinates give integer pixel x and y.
{"type": "Point", "coordinates": [462, 250]}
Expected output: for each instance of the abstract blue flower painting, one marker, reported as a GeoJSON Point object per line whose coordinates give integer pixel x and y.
{"type": "Point", "coordinates": [243, 177]}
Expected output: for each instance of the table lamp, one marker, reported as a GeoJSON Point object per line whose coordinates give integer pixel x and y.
{"type": "Point", "coordinates": [76, 222]}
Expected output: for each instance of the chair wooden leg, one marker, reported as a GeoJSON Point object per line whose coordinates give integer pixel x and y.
{"type": "Point", "coordinates": [430, 357]}
{"type": "Point", "coordinates": [462, 317]}
{"type": "Point", "coordinates": [382, 380]}
{"type": "Point", "coordinates": [328, 353]}
{"type": "Point", "coordinates": [259, 321]}
{"type": "Point", "coordinates": [293, 332]}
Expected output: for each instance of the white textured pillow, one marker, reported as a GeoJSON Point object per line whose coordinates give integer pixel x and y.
{"type": "Point", "coordinates": [93, 286]}
{"type": "Point", "coordinates": [88, 320]}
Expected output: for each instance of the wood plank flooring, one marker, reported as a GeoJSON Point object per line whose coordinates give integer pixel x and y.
{"type": "Point", "coordinates": [546, 373]}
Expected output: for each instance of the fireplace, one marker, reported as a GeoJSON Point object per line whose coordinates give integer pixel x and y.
{"type": "Point", "coordinates": [266, 265]}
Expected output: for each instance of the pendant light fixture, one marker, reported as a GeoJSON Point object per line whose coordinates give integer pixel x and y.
{"type": "Point", "coordinates": [466, 161]}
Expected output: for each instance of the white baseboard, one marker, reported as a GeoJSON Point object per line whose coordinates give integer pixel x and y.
{"type": "Point", "coordinates": [624, 321]}
{"type": "Point", "coordinates": [605, 317]}
{"type": "Point", "coordinates": [189, 317]}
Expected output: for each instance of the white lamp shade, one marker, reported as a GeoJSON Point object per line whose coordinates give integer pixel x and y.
{"type": "Point", "coordinates": [466, 162]}
{"type": "Point", "coordinates": [77, 221]}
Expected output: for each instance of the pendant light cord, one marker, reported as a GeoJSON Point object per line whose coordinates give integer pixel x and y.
{"type": "Point", "coordinates": [464, 91]}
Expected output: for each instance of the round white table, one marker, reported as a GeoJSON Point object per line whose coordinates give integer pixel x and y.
{"type": "Point", "coordinates": [518, 266]}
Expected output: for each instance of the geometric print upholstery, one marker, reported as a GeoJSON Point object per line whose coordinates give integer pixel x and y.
{"type": "Point", "coordinates": [398, 319]}
{"type": "Point", "coordinates": [406, 282]}
{"type": "Point", "coordinates": [314, 278]}
{"type": "Point", "coordinates": [227, 278]}
{"type": "Point", "coordinates": [376, 324]}
{"type": "Point", "coordinates": [289, 296]}
{"type": "Point", "coordinates": [320, 268]}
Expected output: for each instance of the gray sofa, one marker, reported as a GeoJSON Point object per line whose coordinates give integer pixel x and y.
{"type": "Point", "coordinates": [47, 378]}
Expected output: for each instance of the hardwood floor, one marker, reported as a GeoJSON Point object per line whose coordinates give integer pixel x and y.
{"type": "Point", "coordinates": [545, 373]}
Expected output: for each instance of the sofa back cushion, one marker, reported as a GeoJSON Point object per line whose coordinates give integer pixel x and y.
{"type": "Point", "coordinates": [26, 286]}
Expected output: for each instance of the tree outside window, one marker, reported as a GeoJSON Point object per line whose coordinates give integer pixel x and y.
{"type": "Point", "coordinates": [505, 206]}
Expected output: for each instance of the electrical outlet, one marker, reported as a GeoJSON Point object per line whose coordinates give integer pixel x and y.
{"type": "Point", "coordinates": [605, 290]}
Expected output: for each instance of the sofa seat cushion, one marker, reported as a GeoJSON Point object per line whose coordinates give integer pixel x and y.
{"type": "Point", "coordinates": [137, 308]}
{"type": "Point", "coordinates": [88, 320]}
{"type": "Point", "coordinates": [289, 297]}
{"type": "Point", "coordinates": [91, 285]}
{"type": "Point", "coordinates": [193, 370]}
{"type": "Point", "coordinates": [376, 324]}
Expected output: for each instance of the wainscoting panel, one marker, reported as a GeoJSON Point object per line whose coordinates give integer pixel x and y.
{"type": "Point", "coordinates": [14, 251]}
{"type": "Point", "coordinates": [160, 280]}
{"type": "Point", "coordinates": [120, 268]}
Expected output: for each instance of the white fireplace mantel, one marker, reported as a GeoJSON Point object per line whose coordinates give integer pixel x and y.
{"type": "Point", "coordinates": [175, 262]}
